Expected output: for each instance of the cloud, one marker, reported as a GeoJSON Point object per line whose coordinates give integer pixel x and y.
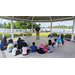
{"type": "Point", "coordinates": [46, 24]}
{"type": "Point", "coordinates": [5, 20]}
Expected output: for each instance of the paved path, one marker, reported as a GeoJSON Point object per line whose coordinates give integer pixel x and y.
{"type": "Point", "coordinates": [65, 51]}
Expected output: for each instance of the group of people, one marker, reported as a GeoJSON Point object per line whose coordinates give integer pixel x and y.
{"type": "Point", "coordinates": [22, 48]}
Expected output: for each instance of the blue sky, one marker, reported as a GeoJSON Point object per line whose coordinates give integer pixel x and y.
{"type": "Point", "coordinates": [44, 24]}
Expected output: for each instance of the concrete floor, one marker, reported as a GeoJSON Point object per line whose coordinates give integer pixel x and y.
{"type": "Point", "coordinates": [65, 51]}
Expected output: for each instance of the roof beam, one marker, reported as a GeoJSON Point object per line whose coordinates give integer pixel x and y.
{"type": "Point", "coordinates": [50, 18]}
{"type": "Point", "coordinates": [7, 17]}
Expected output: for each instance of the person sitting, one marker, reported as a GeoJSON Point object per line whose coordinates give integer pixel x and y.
{"type": "Point", "coordinates": [33, 48]}
{"type": "Point", "coordinates": [42, 49]}
{"type": "Point", "coordinates": [50, 35]}
{"type": "Point", "coordinates": [19, 43]}
{"type": "Point", "coordinates": [63, 41]}
{"type": "Point", "coordinates": [10, 46]}
{"type": "Point", "coordinates": [15, 51]}
{"type": "Point", "coordinates": [59, 41]}
{"type": "Point", "coordinates": [0, 46]}
{"type": "Point", "coordinates": [49, 47]}
{"type": "Point", "coordinates": [55, 44]}
{"type": "Point", "coordinates": [25, 50]}
{"type": "Point", "coordinates": [4, 44]}
{"type": "Point", "coordinates": [23, 41]}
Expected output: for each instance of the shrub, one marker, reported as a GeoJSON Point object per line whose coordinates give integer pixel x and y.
{"type": "Point", "coordinates": [68, 36]}
{"type": "Point", "coordinates": [16, 35]}
{"type": "Point", "coordinates": [74, 37]}
{"type": "Point", "coordinates": [24, 34]}
{"type": "Point", "coordinates": [62, 35]}
{"type": "Point", "coordinates": [21, 34]}
{"type": "Point", "coordinates": [27, 34]}
{"type": "Point", "coordinates": [7, 35]}
{"type": "Point", "coordinates": [54, 34]}
{"type": "Point", "coordinates": [0, 36]}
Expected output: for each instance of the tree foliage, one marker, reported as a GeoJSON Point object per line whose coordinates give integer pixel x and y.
{"type": "Point", "coordinates": [62, 27]}
{"type": "Point", "coordinates": [19, 25]}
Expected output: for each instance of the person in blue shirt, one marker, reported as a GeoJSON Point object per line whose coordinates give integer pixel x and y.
{"type": "Point", "coordinates": [4, 44]}
{"type": "Point", "coordinates": [50, 35]}
{"type": "Point", "coordinates": [33, 48]}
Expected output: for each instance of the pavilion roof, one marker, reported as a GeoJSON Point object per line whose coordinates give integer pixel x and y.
{"type": "Point", "coordinates": [38, 18]}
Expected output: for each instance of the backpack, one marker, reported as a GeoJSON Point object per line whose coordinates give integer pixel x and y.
{"type": "Point", "coordinates": [0, 46]}
{"type": "Point", "coordinates": [45, 49]}
{"type": "Point", "coordinates": [63, 41]}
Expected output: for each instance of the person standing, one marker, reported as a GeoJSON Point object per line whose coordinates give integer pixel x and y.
{"type": "Point", "coordinates": [37, 32]}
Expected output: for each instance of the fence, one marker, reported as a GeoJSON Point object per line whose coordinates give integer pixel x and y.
{"type": "Point", "coordinates": [16, 32]}
{"type": "Point", "coordinates": [20, 32]}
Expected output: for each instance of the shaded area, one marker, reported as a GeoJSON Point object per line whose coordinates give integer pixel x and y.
{"type": "Point", "coordinates": [65, 51]}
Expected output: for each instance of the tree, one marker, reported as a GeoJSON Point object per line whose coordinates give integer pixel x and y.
{"type": "Point", "coordinates": [9, 25]}
{"type": "Point", "coordinates": [4, 23]}
{"type": "Point", "coordinates": [17, 25]}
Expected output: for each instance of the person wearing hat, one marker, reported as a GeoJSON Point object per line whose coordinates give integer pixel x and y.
{"type": "Point", "coordinates": [37, 32]}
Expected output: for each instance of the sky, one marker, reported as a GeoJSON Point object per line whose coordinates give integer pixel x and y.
{"type": "Point", "coordinates": [44, 24]}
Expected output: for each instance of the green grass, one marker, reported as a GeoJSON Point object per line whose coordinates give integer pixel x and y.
{"type": "Point", "coordinates": [42, 34]}
{"type": "Point", "coordinates": [46, 34]}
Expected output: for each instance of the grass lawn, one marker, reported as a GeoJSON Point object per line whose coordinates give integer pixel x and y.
{"type": "Point", "coordinates": [46, 34]}
{"type": "Point", "coordinates": [42, 34]}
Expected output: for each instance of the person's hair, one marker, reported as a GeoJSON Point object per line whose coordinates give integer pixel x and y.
{"type": "Point", "coordinates": [15, 45]}
{"type": "Point", "coordinates": [25, 45]}
{"type": "Point", "coordinates": [58, 35]}
{"type": "Point", "coordinates": [19, 38]}
{"type": "Point", "coordinates": [5, 37]}
{"type": "Point", "coordinates": [49, 42]}
{"type": "Point", "coordinates": [61, 37]}
{"type": "Point", "coordinates": [55, 40]}
{"type": "Point", "coordinates": [10, 41]}
{"type": "Point", "coordinates": [33, 43]}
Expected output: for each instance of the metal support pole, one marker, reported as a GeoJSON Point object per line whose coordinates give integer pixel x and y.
{"type": "Point", "coordinates": [23, 32]}
{"type": "Point", "coordinates": [32, 25]}
{"type": "Point", "coordinates": [12, 28]}
{"type": "Point", "coordinates": [2, 32]}
{"type": "Point", "coordinates": [60, 31]}
{"type": "Point", "coordinates": [72, 37]}
{"type": "Point", "coordinates": [51, 28]}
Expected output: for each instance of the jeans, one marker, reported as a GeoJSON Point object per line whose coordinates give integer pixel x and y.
{"type": "Point", "coordinates": [18, 52]}
{"type": "Point", "coordinates": [9, 51]}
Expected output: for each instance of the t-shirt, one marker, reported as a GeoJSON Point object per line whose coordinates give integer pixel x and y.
{"type": "Point", "coordinates": [50, 48]}
{"type": "Point", "coordinates": [24, 50]}
{"type": "Point", "coordinates": [14, 51]}
{"type": "Point", "coordinates": [55, 45]}
{"type": "Point", "coordinates": [10, 47]}
{"type": "Point", "coordinates": [37, 29]}
{"type": "Point", "coordinates": [33, 48]}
